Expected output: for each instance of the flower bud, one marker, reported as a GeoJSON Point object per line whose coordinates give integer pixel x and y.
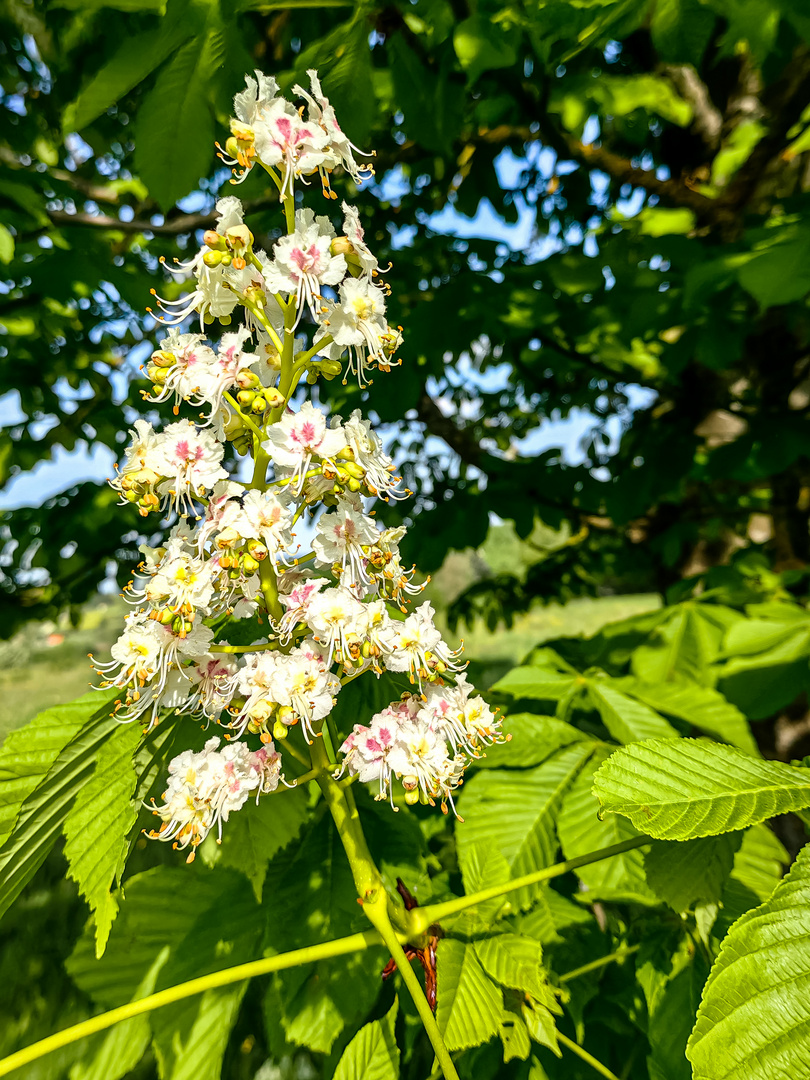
{"type": "Point", "coordinates": [249, 564]}
{"type": "Point", "coordinates": [212, 259]}
{"type": "Point", "coordinates": [354, 485]}
{"type": "Point", "coordinates": [234, 427]}
{"type": "Point", "coordinates": [247, 380]}
{"type": "Point", "coordinates": [355, 470]}
{"type": "Point", "coordinates": [274, 398]}
{"type": "Point", "coordinates": [312, 377]}
{"type": "Point", "coordinates": [259, 404]}
{"type": "Point", "coordinates": [245, 398]}
{"type": "Point", "coordinates": [257, 549]}
{"type": "Point", "coordinates": [232, 147]}
{"type": "Point", "coordinates": [331, 367]}
{"type": "Point", "coordinates": [280, 731]}
{"type": "Point", "coordinates": [163, 359]}
{"type": "Point", "coordinates": [287, 716]}
{"type": "Point", "coordinates": [342, 245]}
{"type": "Point", "coordinates": [412, 797]}
{"type": "Point", "coordinates": [242, 445]}
{"type": "Point", "coordinates": [213, 240]}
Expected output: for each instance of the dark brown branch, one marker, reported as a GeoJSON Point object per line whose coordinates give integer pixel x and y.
{"type": "Point", "coordinates": [173, 225]}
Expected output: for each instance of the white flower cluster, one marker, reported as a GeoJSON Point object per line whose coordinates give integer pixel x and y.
{"type": "Point", "coordinates": [425, 740]}
{"type": "Point", "coordinates": [204, 788]}
{"type": "Point", "coordinates": [314, 621]}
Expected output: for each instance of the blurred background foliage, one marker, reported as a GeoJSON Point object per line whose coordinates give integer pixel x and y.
{"type": "Point", "coordinates": [597, 218]}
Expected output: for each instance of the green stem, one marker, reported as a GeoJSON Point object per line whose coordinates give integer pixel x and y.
{"type": "Point", "coordinates": [575, 1048]}
{"type": "Point", "coordinates": [377, 912]}
{"type": "Point", "coordinates": [594, 965]}
{"type": "Point", "coordinates": [343, 809]}
{"type": "Point", "coordinates": [242, 648]}
{"type": "Point", "coordinates": [423, 917]}
{"type": "Point", "coordinates": [304, 357]}
{"type": "Point", "coordinates": [243, 416]}
{"type": "Point", "coordinates": [325, 951]}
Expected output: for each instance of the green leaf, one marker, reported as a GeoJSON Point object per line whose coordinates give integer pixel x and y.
{"type": "Point", "coordinates": [469, 1004]}
{"type": "Point", "coordinates": [483, 868]}
{"type": "Point", "coordinates": [781, 274]}
{"type": "Point", "coordinates": [698, 705]}
{"type": "Point", "coordinates": [681, 789]}
{"type": "Point", "coordinates": [310, 897]}
{"type": "Point", "coordinates": [754, 1019]}
{"type": "Point", "coordinates": [764, 680]}
{"type": "Point", "coordinates": [258, 831]}
{"type": "Point", "coordinates": [538, 683]}
{"type": "Point", "coordinates": [116, 1052]}
{"type": "Point", "coordinates": [683, 873]}
{"type": "Point", "coordinates": [514, 961]}
{"type": "Point", "coordinates": [136, 59]}
{"type": "Point", "coordinates": [175, 129]}
{"type": "Point", "coordinates": [515, 812]}
{"type": "Point", "coordinates": [758, 869]}
{"type": "Point", "coordinates": [343, 61]}
{"type": "Point", "coordinates": [534, 738]}
{"type": "Point", "coordinates": [221, 927]}
{"type": "Point", "coordinates": [30, 751]}
{"type": "Point", "coordinates": [6, 245]}
{"type": "Point", "coordinates": [681, 30]}
{"type": "Point", "coordinates": [581, 831]}
{"type": "Point", "coordinates": [98, 826]}
{"type": "Point", "coordinates": [373, 1053]}
{"type": "Point", "coordinates": [627, 720]}
{"type": "Point", "coordinates": [482, 45]}
{"type": "Point", "coordinates": [44, 811]}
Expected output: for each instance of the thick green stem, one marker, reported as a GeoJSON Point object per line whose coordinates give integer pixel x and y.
{"type": "Point", "coordinates": [325, 951]}
{"type": "Point", "coordinates": [377, 912]}
{"type": "Point", "coordinates": [343, 809]}
{"type": "Point", "coordinates": [423, 917]}
{"type": "Point", "coordinates": [575, 1048]}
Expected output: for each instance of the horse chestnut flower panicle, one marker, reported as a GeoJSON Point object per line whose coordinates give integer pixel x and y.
{"type": "Point", "coordinates": [310, 622]}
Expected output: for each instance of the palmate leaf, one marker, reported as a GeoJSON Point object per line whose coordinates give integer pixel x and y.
{"type": "Point", "coordinates": [43, 813]}
{"type": "Point", "coordinates": [515, 812]}
{"type": "Point", "coordinates": [133, 62]}
{"type": "Point", "coordinates": [754, 1020]}
{"type": "Point", "coordinates": [534, 738]}
{"type": "Point", "coordinates": [258, 831]}
{"type": "Point", "coordinates": [98, 826]}
{"type": "Point", "coordinates": [175, 126]}
{"type": "Point", "coordinates": [218, 926]}
{"type": "Point", "coordinates": [310, 897]}
{"type": "Point", "coordinates": [627, 720]}
{"type": "Point", "coordinates": [581, 830]}
{"type": "Point", "coordinates": [373, 1053]}
{"type": "Point", "coordinates": [681, 789]}
{"type": "Point", "coordinates": [700, 706]}
{"type": "Point", "coordinates": [29, 752]}
{"type": "Point", "coordinates": [538, 683]}
{"type": "Point", "coordinates": [469, 1004]}
{"type": "Point", "coordinates": [683, 873]}
{"type": "Point", "coordinates": [113, 1054]}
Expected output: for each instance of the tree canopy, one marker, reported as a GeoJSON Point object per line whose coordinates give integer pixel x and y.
{"type": "Point", "coordinates": [655, 156]}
